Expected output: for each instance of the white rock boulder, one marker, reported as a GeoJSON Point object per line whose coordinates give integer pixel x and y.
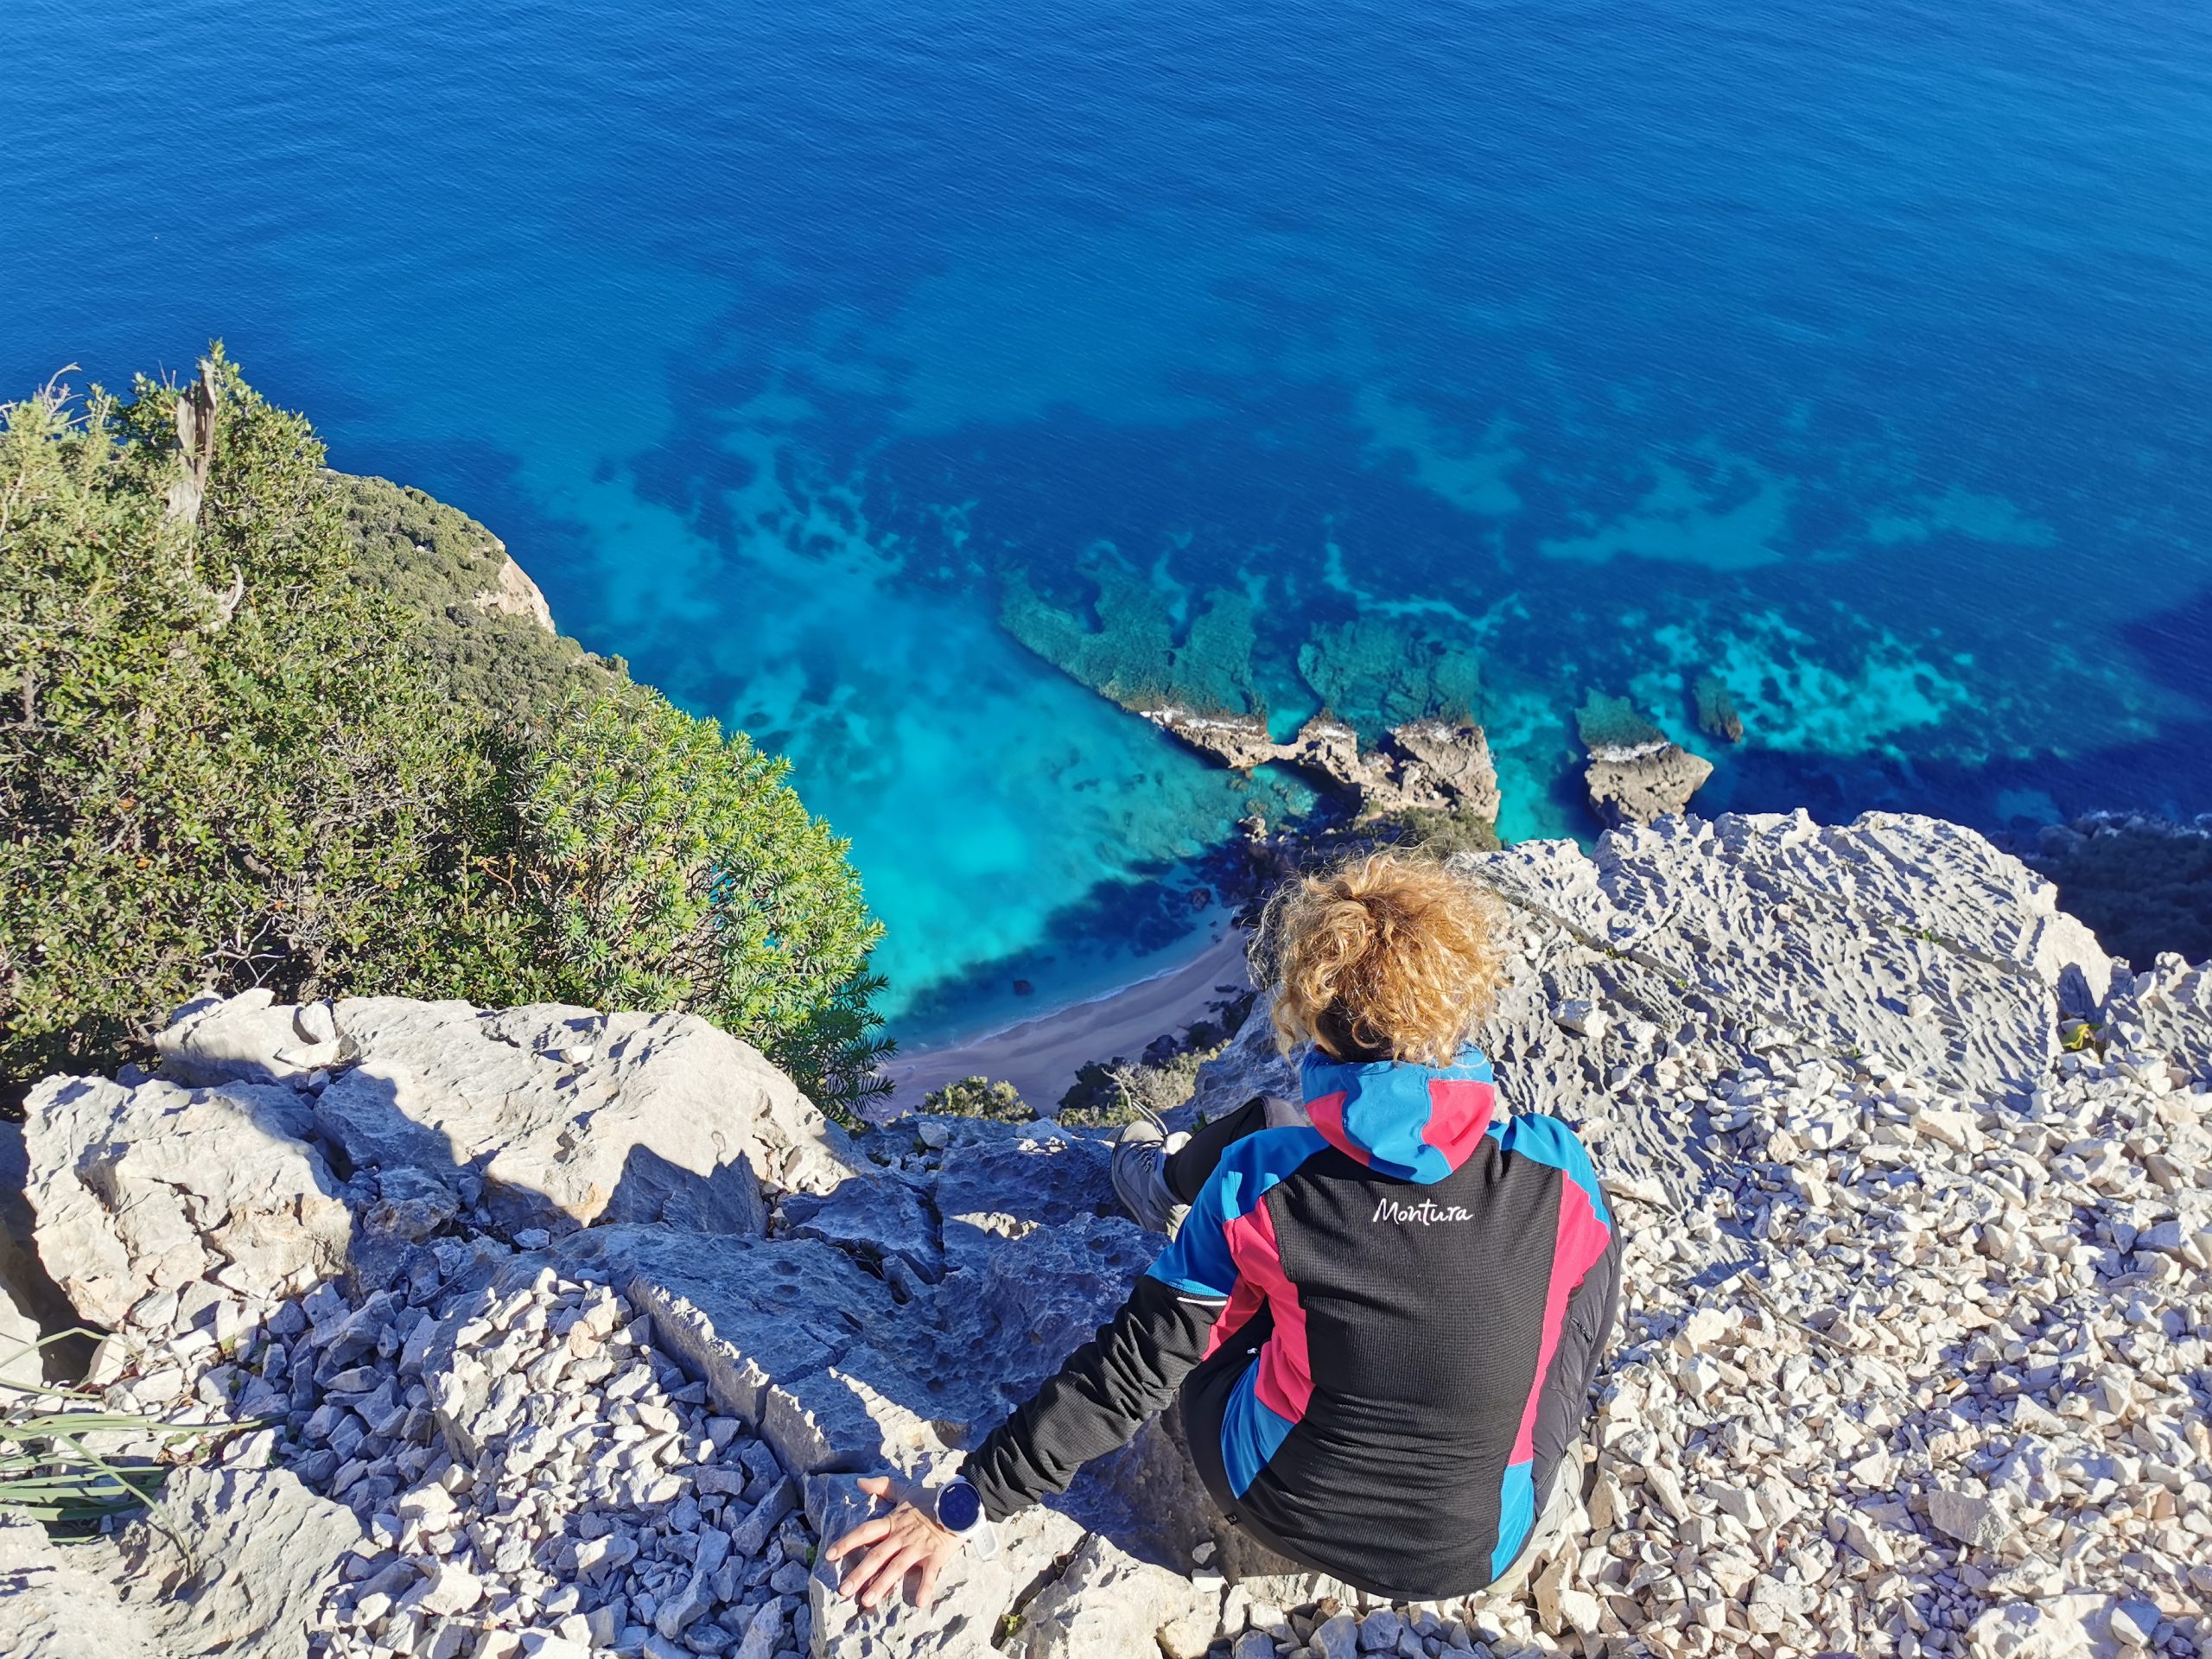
{"type": "Point", "coordinates": [568, 1117]}
{"type": "Point", "coordinates": [235, 1561]}
{"type": "Point", "coordinates": [156, 1186]}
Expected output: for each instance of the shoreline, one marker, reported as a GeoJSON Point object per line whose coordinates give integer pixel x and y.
{"type": "Point", "coordinates": [1041, 1055]}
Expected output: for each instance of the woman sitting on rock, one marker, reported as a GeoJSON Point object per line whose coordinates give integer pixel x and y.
{"type": "Point", "coordinates": [1384, 1307]}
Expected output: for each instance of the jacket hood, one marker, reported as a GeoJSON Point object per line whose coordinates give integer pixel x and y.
{"type": "Point", "coordinates": [1416, 1122]}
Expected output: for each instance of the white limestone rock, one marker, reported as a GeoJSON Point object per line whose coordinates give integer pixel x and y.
{"type": "Point", "coordinates": [875, 1216]}
{"type": "Point", "coordinates": [1968, 1516]}
{"type": "Point", "coordinates": [60, 1602]}
{"type": "Point", "coordinates": [235, 1561]}
{"type": "Point", "coordinates": [249, 1038]}
{"type": "Point", "coordinates": [1582, 1016]}
{"type": "Point", "coordinates": [151, 1187]}
{"type": "Point", "coordinates": [30, 1303]}
{"type": "Point", "coordinates": [2058, 1628]}
{"type": "Point", "coordinates": [682, 1119]}
{"type": "Point", "coordinates": [1106, 1605]}
{"type": "Point", "coordinates": [762, 1323]}
{"type": "Point", "coordinates": [763, 1631]}
{"type": "Point", "coordinates": [1336, 1637]}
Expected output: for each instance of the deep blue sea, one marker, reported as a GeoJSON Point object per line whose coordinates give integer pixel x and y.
{"type": "Point", "coordinates": [1859, 352]}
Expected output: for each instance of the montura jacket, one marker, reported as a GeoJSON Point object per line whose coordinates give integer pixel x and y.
{"type": "Point", "coordinates": [1390, 1322]}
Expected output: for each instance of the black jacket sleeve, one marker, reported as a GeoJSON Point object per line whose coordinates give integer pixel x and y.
{"type": "Point", "coordinates": [1585, 1335]}
{"type": "Point", "coordinates": [1097, 1400]}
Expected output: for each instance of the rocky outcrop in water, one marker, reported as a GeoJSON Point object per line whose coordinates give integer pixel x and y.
{"type": "Point", "coordinates": [1441, 766]}
{"type": "Point", "coordinates": [1716, 709]}
{"type": "Point", "coordinates": [1432, 766]}
{"type": "Point", "coordinates": [1239, 741]}
{"type": "Point", "coordinates": [1913, 1181]}
{"type": "Point", "coordinates": [1189, 670]}
{"type": "Point", "coordinates": [1636, 774]}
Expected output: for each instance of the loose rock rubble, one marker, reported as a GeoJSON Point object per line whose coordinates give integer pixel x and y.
{"type": "Point", "coordinates": [531, 1475]}
{"type": "Point", "coordinates": [1921, 1374]}
{"type": "Point", "coordinates": [1915, 1357]}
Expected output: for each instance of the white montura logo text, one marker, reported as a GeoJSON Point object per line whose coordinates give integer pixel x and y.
{"type": "Point", "coordinates": [1427, 1212]}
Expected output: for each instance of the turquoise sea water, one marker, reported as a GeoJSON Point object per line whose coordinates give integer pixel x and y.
{"type": "Point", "coordinates": [1860, 353]}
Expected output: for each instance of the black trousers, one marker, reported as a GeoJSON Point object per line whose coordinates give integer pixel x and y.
{"type": "Point", "coordinates": [1188, 1167]}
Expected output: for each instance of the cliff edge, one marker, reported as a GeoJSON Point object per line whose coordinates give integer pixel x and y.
{"type": "Point", "coordinates": [552, 1331]}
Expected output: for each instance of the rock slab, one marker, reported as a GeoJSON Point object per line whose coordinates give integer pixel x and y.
{"type": "Point", "coordinates": [236, 1561]}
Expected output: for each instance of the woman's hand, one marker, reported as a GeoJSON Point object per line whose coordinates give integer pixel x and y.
{"type": "Point", "coordinates": [902, 1541]}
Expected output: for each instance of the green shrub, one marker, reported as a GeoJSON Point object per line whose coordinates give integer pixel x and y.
{"type": "Point", "coordinates": [656, 863]}
{"type": "Point", "coordinates": [1107, 1094]}
{"type": "Point", "coordinates": [1441, 831]}
{"type": "Point", "coordinates": [443, 569]}
{"type": "Point", "coordinates": [979, 1097]}
{"type": "Point", "coordinates": [235, 751]}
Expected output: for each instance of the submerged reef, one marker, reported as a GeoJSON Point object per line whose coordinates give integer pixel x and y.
{"type": "Point", "coordinates": [1396, 732]}
{"type": "Point", "coordinates": [1716, 709]}
{"type": "Point", "coordinates": [1613, 728]}
{"type": "Point", "coordinates": [1148, 648]}
{"type": "Point", "coordinates": [1398, 729]}
{"type": "Point", "coordinates": [1137, 655]}
{"type": "Point", "coordinates": [1391, 674]}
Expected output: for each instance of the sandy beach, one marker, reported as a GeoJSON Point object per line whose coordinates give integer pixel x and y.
{"type": "Point", "coordinates": [1040, 1056]}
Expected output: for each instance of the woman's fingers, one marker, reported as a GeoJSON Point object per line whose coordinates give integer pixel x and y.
{"type": "Point", "coordinates": [862, 1572]}
{"type": "Point", "coordinates": [889, 1548]}
{"type": "Point", "coordinates": [880, 1570]}
{"type": "Point", "coordinates": [888, 1581]}
{"type": "Point", "coordinates": [867, 1532]}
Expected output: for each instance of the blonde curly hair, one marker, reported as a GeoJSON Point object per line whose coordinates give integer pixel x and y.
{"type": "Point", "coordinates": [1385, 955]}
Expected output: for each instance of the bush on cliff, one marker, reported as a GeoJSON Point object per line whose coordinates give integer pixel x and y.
{"type": "Point", "coordinates": [656, 863]}
{"type": "Point", "coordinates": [999, 1102]}
{"type": "Point", "coordinates": [1440, 832]}
{"type": "Point", "coordinates": [231, 756]}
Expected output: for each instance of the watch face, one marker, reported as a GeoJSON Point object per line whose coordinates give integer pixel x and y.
{"type": "Point", "coordinates": [958, 1507]}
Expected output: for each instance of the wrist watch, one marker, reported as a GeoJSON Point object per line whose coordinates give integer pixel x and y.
{"type": "Point", "coordinates": [960, 1512]}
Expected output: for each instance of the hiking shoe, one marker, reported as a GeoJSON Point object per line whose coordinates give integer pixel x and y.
{"type": "Point", "coordinates": [1140, 1170]}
